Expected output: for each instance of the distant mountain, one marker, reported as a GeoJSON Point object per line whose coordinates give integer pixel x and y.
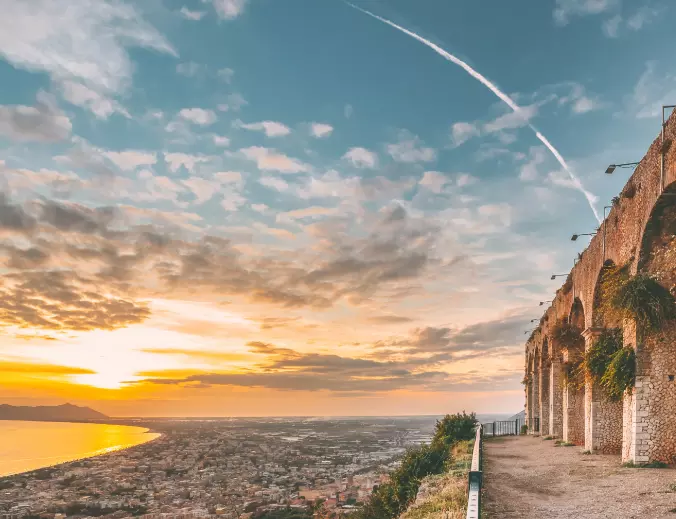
{"type": "Point", "coordinates": [47, 413]}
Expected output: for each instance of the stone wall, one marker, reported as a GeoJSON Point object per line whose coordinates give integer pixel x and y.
{"type": "Point", "coordinates": [640, 231]}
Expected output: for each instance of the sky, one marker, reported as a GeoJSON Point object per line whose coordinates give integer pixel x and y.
{"type": "Point", "coordinates": [294, 207]}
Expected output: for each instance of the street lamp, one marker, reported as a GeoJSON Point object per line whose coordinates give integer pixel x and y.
{"type": "Point", "coordinates": [533, 320]}
{"type": "Point", "coordinates": [528, 331]}
{"type": "Point", "coordinates": [574, 237]}
{"type": "Point", "coordinates": [613, 167]}
{"type": "Point", "coordinates": [554, 276]}
{"type": "Point", "coordinates": [544, 302]}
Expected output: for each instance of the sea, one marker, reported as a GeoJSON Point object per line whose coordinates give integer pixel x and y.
{"type": "Point", "coordinates": [26, 446]}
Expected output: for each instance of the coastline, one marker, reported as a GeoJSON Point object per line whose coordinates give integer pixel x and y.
{"type": "Point", "coordinates": [104, 451]}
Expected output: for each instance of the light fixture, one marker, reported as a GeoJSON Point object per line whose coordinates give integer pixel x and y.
{"type": "Point", "coordinates": [544, 302]}
{"type": "Point", "coordinates": [554, 276]}
{"type": "Point", "coordinates": [574, 237]}
{"type": "Point", "coordinates": [613, 167]}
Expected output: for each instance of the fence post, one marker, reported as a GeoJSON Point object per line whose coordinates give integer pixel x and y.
{"type": "Point", "coordinates": [493, 428]}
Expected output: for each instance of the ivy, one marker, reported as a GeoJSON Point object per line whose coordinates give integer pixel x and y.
{"type": "Point", "coordinates": [573, 373]}
{"type": "Point", "coordinates": [620, 375]}
{"type": "Point", "coordinates": [646, 301]}
{"type": "Point", "coordinates": [598, 357]}
{"type": "Point", "coordinates": [567, 335]}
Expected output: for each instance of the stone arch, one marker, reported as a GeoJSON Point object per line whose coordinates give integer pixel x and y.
{"type": "Point", "coordinates": [573, 399]}
{"type": "Point", "coordinates": [545, 387]}
{"type": "Point", "coordinates": [599, 320]}
{"type": "Point", "coordinates": [649, 411]}
{"type": "Point", "coordinates": [603, 417]}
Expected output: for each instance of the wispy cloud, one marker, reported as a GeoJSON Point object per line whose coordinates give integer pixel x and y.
{"type": "Point", "coordinates": [361, 157]}
{"type": "Point", "coordinates": [270, 128]}
{"type": "Point", "coordinates": [268, 159]}
{"type": "Point", "coordinates": [320, 130]}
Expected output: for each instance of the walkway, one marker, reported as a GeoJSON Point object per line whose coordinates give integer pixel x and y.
{"type": "Point", "coordinates": [529, 478]}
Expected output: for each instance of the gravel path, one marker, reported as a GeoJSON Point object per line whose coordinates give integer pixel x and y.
{"type": "Point", "coordinates": [527, 477]}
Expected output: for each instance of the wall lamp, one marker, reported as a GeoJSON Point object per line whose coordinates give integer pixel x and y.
{"type": "Point", "coordinates": [574, 237]}
{"type": "Point", "coordinates": [554, 276]}
{"type": "Point", "coordinates": [613, 167]}
{"type": "Point", "coordinates": [542, 303]}
{"type": "Point", "coordinates": [533, 320]}
{"type": "Point", "coordinates": [528, 331]}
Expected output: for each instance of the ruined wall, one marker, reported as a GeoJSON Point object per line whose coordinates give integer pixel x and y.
{"type": "Point", "coordinates": [646, 420]}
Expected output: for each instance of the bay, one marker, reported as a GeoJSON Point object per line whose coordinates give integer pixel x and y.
{"type": "Point", "coordinates": [26, 446]}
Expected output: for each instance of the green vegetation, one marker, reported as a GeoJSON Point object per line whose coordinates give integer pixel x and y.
{"type": "Point", "coordinates": [561, 443]}
{"type": "Point", "coordinates": [391, 499]}
{"type": "Point", "coordinates": [587, 452]}
{"type": "Point", "coordinates": [646, 301]}
{"type": "Point", "coordinates": [287, 513]}
{"type": "Point", "coordinates": [524, 429]}
{"type": "Point", "coordinates": [573, 373]}
{"type": "Point", "coordinates": [548, 438]}
{"type": "Point", "coordinates": [598, 357]}
{"type": "Point", "coordinates": [620, 375]}
{"type": "Point", "coordinates": [567, 335]}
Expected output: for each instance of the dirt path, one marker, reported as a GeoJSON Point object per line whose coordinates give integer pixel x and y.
{"type": "Point", "coordinates": [529, 478]}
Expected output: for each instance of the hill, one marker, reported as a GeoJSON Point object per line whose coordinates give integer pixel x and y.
{"type": "Point", "coordinates": [55, 413]}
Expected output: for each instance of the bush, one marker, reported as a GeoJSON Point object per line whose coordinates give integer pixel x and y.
{"type": "Point", "coordinates": [391, 499]}
{"type": "Point", "coordinates": [567, 335]}
{"type": "Point", "coordinates": [573, 373]}
{"type": "Point", "coordinates": [644, 300]}
{"type": "Point", "coordinates": [524, 429]}
{"type": "Point", "coordinates": [598, 357]}
{"type": "Point", "coordinates": [620, 375]}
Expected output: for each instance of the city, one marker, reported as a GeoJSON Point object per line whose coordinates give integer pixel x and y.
{"type": "Point", "coordinates": [230, 468]}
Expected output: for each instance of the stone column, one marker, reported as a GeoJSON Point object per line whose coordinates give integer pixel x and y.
{"type": "Point", "coordinates": [573, 409]}
{"type": "Point", "coordinates": [603, 418]}
{"type": "Point", "coordinates": [556, 399]}
{"type": "Point", "coordinates": [544, 397]}
{"type": "Point", "coordinates": [536, 398]}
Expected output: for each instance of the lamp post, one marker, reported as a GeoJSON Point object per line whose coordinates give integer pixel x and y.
{"type": "Point", "coordinates": [544, 302]}
{"type": "Point", "coordinates": [574, 237]}
{"type": "Point", "coordinates": [613, 167]}
{"type": "Point", "coordinates": [664, 146]}
{"type": "Point", "coordinates": [554, 276]}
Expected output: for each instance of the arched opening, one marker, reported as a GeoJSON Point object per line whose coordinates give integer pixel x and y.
{"type": "Point", "coordinates": [650, 436]}
{"type": "Point", "coordinates": [534, 426]}
{"type": "Point", "coordinates": [603, 416]}
{"type": "Point", "coordinates": [573, 385]}
{"type": "Point", "coordinates": [545, 385]}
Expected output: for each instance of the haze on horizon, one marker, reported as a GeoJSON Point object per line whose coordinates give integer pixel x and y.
{"type": "Point", "coordinates": [266, 208]}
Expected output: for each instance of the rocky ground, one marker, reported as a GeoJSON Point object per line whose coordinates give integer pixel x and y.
{"type": "Point", "coordinates": [528, 477]}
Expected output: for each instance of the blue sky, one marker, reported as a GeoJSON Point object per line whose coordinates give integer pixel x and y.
{"type": "Point", "coordinates": [298, 174]}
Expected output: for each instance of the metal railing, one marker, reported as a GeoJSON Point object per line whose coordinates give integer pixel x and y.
{"type": "Point", "coordinates": [475, 477]}
{"type": "Point", "coordinates": [503, 428]}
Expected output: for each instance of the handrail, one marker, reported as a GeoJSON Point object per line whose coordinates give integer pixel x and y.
{"type": "Point", "coordinates": [475, 478]}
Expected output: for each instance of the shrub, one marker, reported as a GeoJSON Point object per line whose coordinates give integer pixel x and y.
{"type": "Point", "coordinates": [567, 335]}
{"type": "Point", "coordinates": [573, 373]}
{"type": "Point", "coordinates": [598, 357]}
{"type": "Point", "coordinates": [644, 300]}
{"type": "Point", "coordinates": [391, 499]}
{"type": "Point", "coordinates": [524, 429]}
{"type": "Point", "coordinates": [620, 375]}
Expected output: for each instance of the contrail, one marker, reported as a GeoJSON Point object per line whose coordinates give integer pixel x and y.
{"type": "Point", "coordinates": [503, 97]}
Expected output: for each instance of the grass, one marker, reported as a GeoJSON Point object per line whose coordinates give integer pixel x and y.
{"type": "Point", "coordinates": [651, 465]}
{"type": "Point", "coordinates": [548, 437]}
{"type": "Point", "coordinates": [587, 452]}
{"type": "Point", "coordinates": [446, 494]}
{"type": "Point", "coordinates": [561, 443]}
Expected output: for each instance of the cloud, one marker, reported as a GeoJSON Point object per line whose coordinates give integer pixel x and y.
{"type": "Point", "coordinates": [529, 171]}
{"type": "Point", "coordinates": [221, 140]}
{"type": "Point", "coordinates": [409, 149]}
{"type": "Point", "coordinates": [270, 128]}
{"type": "Point", "coordinates": [361, 158]}
{"type": "Point", "coordinates": [189, 69]}
{"type": "Point", "coordinates": [348, 111]}
{"type": "Point", "coordinates": [653, 89]}
{"type": "Point", "coordinates": [13, 217]}
{"type": "Point", "coordinates": [56, 300]}
{"type": "Point", "coordinates": [198, 116]}
{"type": "Point", "coordinates": [566, 9]}
{"type": "Point", "coordinates": [129, 160]}
{"type": "Point", "coordinates": [274, 183]}
{"type": "Point", "coordinates": [512, 120]}
{"type": "Point", "coordinates": [306, 212]}
{"type": "Point", "coordinates": [462, 132]}
{"type": "Point", "coordinates": [637, 21]}
{"type": "Point", "coordinates": [320, 130]}
{"type": "Point", "coordinates": [192, 15]}
{"type": "Point", "coordinates": [229, 9]}
{"type": "Point", "coordinates": [389, 319]}
{"type": "Point", "coordinates": [41, 123]}
{"type": "Point", "coordinates": [81, 44]}
{"type": "Point", "coordinates": [33, 368]}
{"type": "Point", "coordinates": [611, 27]}
{"type": "Point", "coordinates": [176, 160]}
{"type": "Point", "coordinates": [434, 181]}
{"type": "Point", "coordinates": [268, 159]}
